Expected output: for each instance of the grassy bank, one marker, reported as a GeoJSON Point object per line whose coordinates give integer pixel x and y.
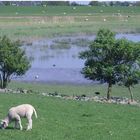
{"type": "Point", "coordinates": [37, 22]}
{"type": "Point", "coordinates": [71, 120]}
{"type": "Point", "coordinates": [68, 89]}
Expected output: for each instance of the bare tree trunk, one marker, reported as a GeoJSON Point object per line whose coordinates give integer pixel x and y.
{"type": "Point", "coordinates": [131, 94]}
{"type": "Point", "coordinates": [1, 81]}
{"type": "Point", "coordinates": [4, 80]}
{"type": "Point", "coordinates": [109, 91]}
{"type": "Point", "coordinates": [4, 84]}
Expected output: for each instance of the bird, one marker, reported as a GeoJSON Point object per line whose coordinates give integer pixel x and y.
{"type": "Point", "coordinates": [36, 76]}
{"type": "Point", "coordinates": [53, 65]}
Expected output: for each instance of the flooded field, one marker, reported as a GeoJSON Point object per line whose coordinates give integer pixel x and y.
{"type": "Point", "coordinates": [56, 60]}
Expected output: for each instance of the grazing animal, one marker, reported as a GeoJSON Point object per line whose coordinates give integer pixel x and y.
{"type": "Point", "coordinates": [97, 93]}
{"type": "Point", "coordinates": [15, 114]}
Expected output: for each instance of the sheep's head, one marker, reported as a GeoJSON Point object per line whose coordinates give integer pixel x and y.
{"type": "Point", "coordinates": [4, 124]}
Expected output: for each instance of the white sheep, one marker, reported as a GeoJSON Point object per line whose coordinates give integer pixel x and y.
{"type": "Point", "coordinates": [15, 114]}
{"type": "Point", "coordinates": [86, 19]}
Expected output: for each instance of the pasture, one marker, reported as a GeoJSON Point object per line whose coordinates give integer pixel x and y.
{"type": "Point", "coordinates": [65, 10]}
{"type": "Point", "coordinates": [60, 119]}
{"type": "Point", "coordinates": [76, 89]}
{"type": "Point", "coordinates": [30, 23]}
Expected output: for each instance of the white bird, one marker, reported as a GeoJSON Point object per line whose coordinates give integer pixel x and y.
{"type": "Point", "coordinates": [36, 76]}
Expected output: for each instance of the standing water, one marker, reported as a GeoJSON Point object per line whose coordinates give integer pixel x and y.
{"type": "Point", "coordinates": [56, 60]}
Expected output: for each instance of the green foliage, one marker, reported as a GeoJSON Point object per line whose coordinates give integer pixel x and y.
{"type": "Point", "coordinates": [94, 3]}
{"type": "Point", "coordinates": [109, 60]}
{"type": "Point", "coordinates": [129, 65]}
{"type": "Point", "coordinates": [12, 60]}
{"type": "Point", "coordinates": [99, 61]}
{"type": "Point", "coordinates": [58, 3]}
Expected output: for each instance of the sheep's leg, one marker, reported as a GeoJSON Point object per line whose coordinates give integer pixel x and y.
{"type": "Point", "coordinates": [19, 122]}
{"type": "Point", "coordinates": [16, 124]}
{"type": "Point", "coordinates": [21, 128]}
{"type": "Point", "coordinates": [29, 118]}
{"type": "Point", "coordinates": [29, 127]}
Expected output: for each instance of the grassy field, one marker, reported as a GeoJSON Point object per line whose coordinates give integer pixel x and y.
{"type": "Point", "coordinates": [65, 10]}
{"type": "Point", "coordinates": [36, 22]}
{"type": "Point", "coordinates": [60, 119]}
{"type": "Point", "coordinates": [69, 89]}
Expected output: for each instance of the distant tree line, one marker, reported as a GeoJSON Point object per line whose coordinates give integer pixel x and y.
{"type": "Point", "coordinates": [114, 3]}
{"type": "Point", "coordinates": [68, 3]}
{"type": "Point", "coordinates": [35, 3]}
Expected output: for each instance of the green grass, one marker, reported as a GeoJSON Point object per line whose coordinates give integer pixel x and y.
{"type": "Point", "coordinates": [49, 27]}
{"type": "Point", "coordinates": [72, 120]}
{"type": "Point", "coordinates": [60, 44]}
{"type": "Point", "coordinates": [60, 119]}
{"type": "Point", "coordinates": [33, 23]}
{"type": "Point", "coordinates": [64, 10]}
{"type": "Point", "coordinates": [68, 89]}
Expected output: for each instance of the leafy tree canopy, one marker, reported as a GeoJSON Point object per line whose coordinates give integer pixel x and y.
{"type": "Point", "coordinates": [108, 59]}
{"type": "Point", "coordinates": [12, 60]}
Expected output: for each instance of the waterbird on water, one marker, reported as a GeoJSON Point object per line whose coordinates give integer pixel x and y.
{"type": "Point", "coordinates": [36, 76]}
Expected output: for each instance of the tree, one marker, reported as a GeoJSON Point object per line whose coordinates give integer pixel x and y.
{"type": "Point", "coordinates": [74, 3]}
{"type": "Point", "coordinates": [6, 3]}
{"type": "Point", "coordinates": [130, 79]}
{"type": "Point", "coordinates": [58, 3]}
{"type": "Point", "coordinates": [131, 68]}
{"type": "Point", "coordinates": [99, 64]}
{"type": "Point", "coordinates": [111, 3]}
{"type": "Point", "coordinates": [137, 3]}
{"type": "Point", "coordinates": [94, 3]}
{"type": "Point", "coordinates": [117, 3]}
{"type": "Point", "coordinates": [12, 60]}
{"type": "Point", "coordinates": [125, 3]}
{"type": "Point", "coordinates": [106, 59]}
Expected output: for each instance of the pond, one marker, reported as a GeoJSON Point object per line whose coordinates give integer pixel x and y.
{"type": "Point", "coordinates": [56, 60]}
